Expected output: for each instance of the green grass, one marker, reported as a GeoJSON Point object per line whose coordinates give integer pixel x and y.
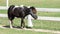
{"type": "Point", "coordinates": [36, 3]}
{"type": "Point", "coordinates": [4, 21]}
{"type": "Point", "coordinates": [2, 2]}
{"type": "Point", "coordinates": [38, 24]}
{"type": "Point", "coordinates": [3, 11]}
{"type": "Point", "coordinates": [51, 14]}
{"type": "Point", "coordinates": [51, 25]}
{"type": "Point", "coordinates": [14, 31]}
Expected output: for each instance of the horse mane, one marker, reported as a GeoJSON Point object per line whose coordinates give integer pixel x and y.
{"type": "Point", "coordinates": [32, 7]}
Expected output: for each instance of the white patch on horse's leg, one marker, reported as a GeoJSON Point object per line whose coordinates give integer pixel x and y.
{"type": "Point", "coordinates": [11, 24]}
{"type": "Point", "coordinates": [30, 21]}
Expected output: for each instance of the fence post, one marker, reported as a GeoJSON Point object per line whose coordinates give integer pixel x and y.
{"type": "Point", "coordinates": [7, 3]}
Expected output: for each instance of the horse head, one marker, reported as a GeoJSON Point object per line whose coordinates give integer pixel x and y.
{"type": "Point", "coordinates": [33, 12]}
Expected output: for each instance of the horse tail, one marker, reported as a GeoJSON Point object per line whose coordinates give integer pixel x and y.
{"type": "Point", "coordinates": [10, 8]}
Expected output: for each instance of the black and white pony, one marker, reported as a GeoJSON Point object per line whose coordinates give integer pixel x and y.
{"type": "Point", "coordinates": [20, 12]}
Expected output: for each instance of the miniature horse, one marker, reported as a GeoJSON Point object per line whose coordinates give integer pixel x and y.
{"type": "Point", "coordinates": [20, 12]}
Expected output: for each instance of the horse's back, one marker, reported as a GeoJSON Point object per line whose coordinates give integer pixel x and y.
{"type": "Point", "coordinates": [18, 11]}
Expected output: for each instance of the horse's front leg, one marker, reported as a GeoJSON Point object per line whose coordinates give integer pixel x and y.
{"type": "Point", "coordinates": [11, 23]}
{"type": "Point", "coordinates": [22, 23]}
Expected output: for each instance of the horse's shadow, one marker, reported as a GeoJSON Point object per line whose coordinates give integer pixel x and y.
{"type": "Point", "coordinates": [18, 27]}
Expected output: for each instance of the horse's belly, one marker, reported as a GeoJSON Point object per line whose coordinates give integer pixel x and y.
{"type": "Point", "coordinates": [19, 16]}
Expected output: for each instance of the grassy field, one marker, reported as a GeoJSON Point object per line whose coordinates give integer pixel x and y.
{"type": "Point", "coordinates": [38, 24]}
{"type": "Point", "coordinates": [3, 11]}
{"type": "Point", "coordinates": [13, 31]}
{"type": "Point", "coordinates": [36, 3]}
{"type": "Point", "coordinates": [51, 14]}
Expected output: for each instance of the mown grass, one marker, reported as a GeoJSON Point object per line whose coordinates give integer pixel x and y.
{"type": "Point", "coordinates": [14, 31]}
{"type": "Point", "coordinates": [38, 24]}
{"type": "Point", "coordinates": [50, 25]}
{"type": "Point", "coordinates": [2, 2]}
{"type": "Point", "coordinates": [50, 14]}
{"type": "Point", "coordinates": [36, 3]}
{"type": "Point", "coordinates": [3, 11]}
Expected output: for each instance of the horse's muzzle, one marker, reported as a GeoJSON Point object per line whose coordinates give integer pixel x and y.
{"type": "Point", "coordinates": [34, 16]}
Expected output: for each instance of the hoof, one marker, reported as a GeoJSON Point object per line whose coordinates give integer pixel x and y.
{"type": "Point", "coordinates": [11, 27]}
{"type": "Point", "coordinates": [21, 27]}
{"type": "Point", "coordinates": [24, 28]}
{"type": "Point", "coordinates": [29, 27]}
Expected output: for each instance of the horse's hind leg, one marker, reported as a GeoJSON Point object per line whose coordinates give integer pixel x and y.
{"type": "Point", "coordinates": [11, 22]}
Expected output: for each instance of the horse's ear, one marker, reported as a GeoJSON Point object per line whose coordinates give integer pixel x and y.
{"type": "Point", "coordinates": [32, 7]}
